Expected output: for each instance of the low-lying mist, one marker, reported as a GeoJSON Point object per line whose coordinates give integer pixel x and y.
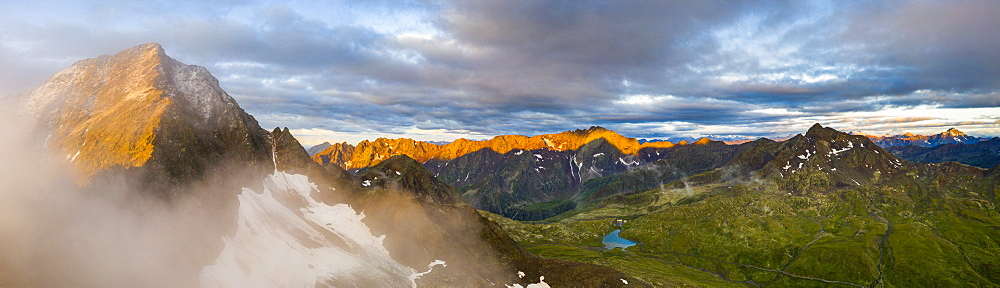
{"type": "Point", "coordinates": [54, 233]}
{"type": "Point", "coordinates": [261, 231]}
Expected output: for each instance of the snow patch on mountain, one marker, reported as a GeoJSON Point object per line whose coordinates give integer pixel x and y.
{"type": "Point", "coordinates": [850, 145]}
{"type": "Point", "coordinates": [279, 244]}
{"type": "Point", "coordinates": [541, 282]}
{"type": "Point", "coordinates": [629, 162]}
{"type": "Point", "coordinates": [807, 155]}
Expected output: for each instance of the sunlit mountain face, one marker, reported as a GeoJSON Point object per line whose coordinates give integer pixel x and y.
{"type": "Point", "coordinates": [499, 144]}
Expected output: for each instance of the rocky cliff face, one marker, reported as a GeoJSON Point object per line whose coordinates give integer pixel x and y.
{"type": "Point", "coordinates": [333, 155]}
{"type": "Point", "coordinates": [143, 112]}
{"type": "Point", "coordinates": [291, 157]}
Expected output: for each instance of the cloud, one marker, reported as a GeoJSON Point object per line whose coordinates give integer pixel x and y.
{"type": "Point", "coordinates": [532, 67]}
{"type": "Point", "coordinates": [899, 120]}
{"type": "Point", "coordinates": [949, 45]}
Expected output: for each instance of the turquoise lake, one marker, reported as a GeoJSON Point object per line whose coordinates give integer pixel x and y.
{"type": "Point", "coordinates": [612, 240]}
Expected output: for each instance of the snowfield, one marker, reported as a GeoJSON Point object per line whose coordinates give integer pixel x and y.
{"type": "Point", "coordinates": [277, 245]}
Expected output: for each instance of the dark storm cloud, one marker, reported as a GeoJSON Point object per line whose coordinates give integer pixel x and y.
{"type": "Point", "coordinates": [950, 45]}
{"type": "Point", "coordinates": [573, 52]}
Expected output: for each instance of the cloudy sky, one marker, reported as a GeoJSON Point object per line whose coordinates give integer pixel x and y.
{"type": "Point", "coordinates": [429, 70]}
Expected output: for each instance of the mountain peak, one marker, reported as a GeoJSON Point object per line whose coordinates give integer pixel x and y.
{"type": "Point", "coordinates": [594, 129]}
{"type": "Point", "coordinates": [953, 132]}
{"type": "Point", "coordinates": [140, 105]}
{"type": "Point", "coordinates": [318, 148]}
{"type": "Point", "coordinates": [846, 159]}
{"type": "Point", "coordinates": [151, 47]}
{"type": "Point", "coordinates": [823, 132]}
{"type": "Point", "coordinates": [146, 56]}
{"type": "Point", "coordinates": [403, 173]}
{"type": "Point", "coordinates": [815, 127]}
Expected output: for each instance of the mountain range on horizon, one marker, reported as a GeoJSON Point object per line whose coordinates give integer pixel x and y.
{"type": "Point", "coordinates": [368, 153]}
{"type": "Point", "coordinates": [501, 177]}
{"type": "Point", "coordinates": [886, 140]}
{"type": "Point", "coordinates": [949, 136]}
{"type": "Point", "coordinates": [173, 184]}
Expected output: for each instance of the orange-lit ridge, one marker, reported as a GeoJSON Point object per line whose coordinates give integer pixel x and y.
{"type": "Point", "coordinates": [369, 153]}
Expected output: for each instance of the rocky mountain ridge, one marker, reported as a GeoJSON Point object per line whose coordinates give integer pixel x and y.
{"type": "Point", "coordinates": [950, 136]}
{"type": "Point", "coordinates": [983, 154]}
{"type": "Point", "coordinates": [368, 153]}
